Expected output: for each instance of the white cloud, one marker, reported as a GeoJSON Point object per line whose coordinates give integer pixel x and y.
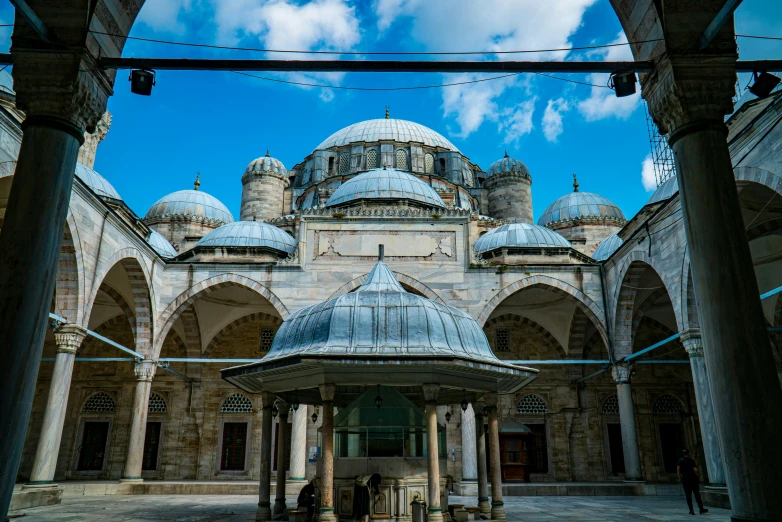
{"type": "Point", "coordinates": [517, 121]}
{"type": "Point", "coordinates": [474, 103]}
{"type": "Point", "coordinates": [163, 15]}
{"type": "Point", "coordinates": [552, 118]}
{"type": "Point", "coordinates": [648, 178]}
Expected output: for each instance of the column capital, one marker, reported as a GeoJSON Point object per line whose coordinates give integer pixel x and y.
{"type": "Point", "coordinates": [267, 400]}
{"type": "Point", "coordinates": [621, 373]}
{"type": "Point", "coordinates": [145, 370]}
{"type": "Point", "coordinates": [430, 392]}
{"type": "Point", "coordinates": [691, 339]}
{"type": "Point", "coordinates": [327, 392]}
{"type": "Point", "coordinates": [283, 408]}
{"type": "Point", "coordinates": [69, 338]}
{"type": "Point", "coordinates": [492, 400]}
{"type": "Point", "coordinates": [690, 88]}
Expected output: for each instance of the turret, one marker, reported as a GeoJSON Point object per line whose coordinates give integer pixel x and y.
{"type": "Point", "coordinates": [509, 187]}
{"type": "Point", "coordinates": [263, 188]}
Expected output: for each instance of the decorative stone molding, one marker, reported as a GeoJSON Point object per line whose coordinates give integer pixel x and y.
{"type": "Point", "coordinates": [69, 338]}
{"type": "Point", "coordinates": [491, 400]}
{"type": "Point", "coordinates": [327, 392]}
{"type": "Point", "coordinates": [265, 176]}
{"type": "Point", "coordinates": [178, 218]}
{"type": "Point", "coordinates": [145, 370]}
{"type": "Point", "coordinates": [384, 212]}
{"type": "Point", "coordinates": [430, 392]}
{"type": "Point", "coordinates": [693, 343]}
{"type": "Point", "coordinates": [587, 220]}
{"type": "Point", "coordinates": [506, 178]}
{"type": "Point", "coordinates": [621, 373]}
{"type": "Point", "coordinates": [89, 149]}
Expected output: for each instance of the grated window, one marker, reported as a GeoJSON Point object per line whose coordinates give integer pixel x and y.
{"type": "Point", "coordinates": [157, 404]}
{"type": "Point", "coordinates": [267, 336]}
{"type": "Point", "coordinates": [428, 163]}
{"type": "Point", "coordinates": [611, 405]}
{"type": "Point", "coordinates": [532, 405]}
{"type": "Point", "coordinates": [99, 403]}
{"type": "Point", "coordinates": [372, 159]}
{"type": "Point", "coordinates": [667, 405]}
{"type": "Point", "coordinates": [236, 403]}
{"type": "Point", "coordinates": [401, 159]}
{"type": "Point", "coordinates": [503, 339]}
{"type": "Point", "coordinates": [344, 163]}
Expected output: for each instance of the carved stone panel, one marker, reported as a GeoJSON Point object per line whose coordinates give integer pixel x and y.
{"type": "Point", "coordinates": [399, 245]}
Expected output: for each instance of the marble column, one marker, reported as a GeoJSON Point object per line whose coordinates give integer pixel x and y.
{"type": "Point", "coordinates": [480, 442]}
{"type": "Point", "coordinates": [689, 95]}
{"type": "Point", "coordinates": [434, 511]}
{"type": "Point", "coordinates": [264, 512]}
{"type": "Point", "coordinates": [326, 485]}
{"type": "Point", "coordinates": [692, 342]}
{"type": "Point", "coordinates": [469, 462]}
{"type": "Point", "coordinates": [298, 460]}
{"type": "Point", "coordinates": [282, 460]}
{"type": "Point", "coordinates": [144, 371]}
{"type": "Point", "coordinates": [624, 394]}
{"type": "Point", "coordinates": [68, 337]}
{"type": "Point", "coordinates": [497, 505]}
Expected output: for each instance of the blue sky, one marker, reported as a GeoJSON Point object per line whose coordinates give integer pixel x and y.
{"type": "Point", "coordinates": [217, 122]}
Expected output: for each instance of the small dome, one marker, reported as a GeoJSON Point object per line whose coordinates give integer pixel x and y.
{"type": "Point", "coordinates": [507, 164]}
{"type": "Point", "coordinates": [519, 235]}
{"type": "Point", "coordinates": [385, 184]}
{"type": "Point", "coordinates": [7, 83]}
{"type": "Point", "coordinates": [96, 182]}
{"type": "Point", "coordinates": [249, 234]}
{"type": "Point", "coordinates": [190, 203]}
{"type": "Point", "coordinates": [160, 244]}
{"type": "Point", "coordinates": [580, 205]}
{"type": "Point", "coordinates": [666, 190]}
{"type": "Point", "coordinates": [267, 164]}
{"type": "Point", "coordinates": [401, 131]}
{"type": "Point", "coordinates": [607, 247]}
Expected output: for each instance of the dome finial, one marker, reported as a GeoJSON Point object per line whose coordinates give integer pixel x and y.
{"type": "Point", "coordinates": [387, 108]}
{"type": "Point", "coordinates": [380, 252]}
{"type": "Point", "coordinates": [575, 183]}
{"type": "Point", "coordinates": [197, 181]}
{"type": "Point", "coordinates": [506, 153]}
{"type": "Point", "coordinates": [267, 152]}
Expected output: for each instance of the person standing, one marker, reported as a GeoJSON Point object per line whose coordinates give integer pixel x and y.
{"type": "Point", "coordinates": [687, 469]}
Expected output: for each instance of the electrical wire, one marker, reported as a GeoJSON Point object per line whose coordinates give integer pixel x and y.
{"type": "Point", "coordinates": [758, 37]}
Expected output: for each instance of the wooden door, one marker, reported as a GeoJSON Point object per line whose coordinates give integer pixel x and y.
{"type": "Point", "coordinates": [234, 446]}
{"type": "Point", "coordinates": [93, 446]}
{"type": "Point", "coordinates": [151, 446]}
{"type": "Point", "coordinates": [671, 444]}
{"type": "Point", "coordinates": [616, 449]}
{"type": "Point", "coordinates": [513, 461]}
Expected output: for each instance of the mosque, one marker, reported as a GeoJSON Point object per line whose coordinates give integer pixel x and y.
{"type": "Point", "coordinates": [570, 303]}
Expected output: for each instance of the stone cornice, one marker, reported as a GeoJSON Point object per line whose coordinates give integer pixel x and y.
{"type": "Point", "coordinates": [178, 218]}
{"type": "Point", "coordinates": [586, 220]}
{"type": "Point", "coordinates": [384, 211]}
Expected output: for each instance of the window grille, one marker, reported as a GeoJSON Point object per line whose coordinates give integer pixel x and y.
{"type": "Point", "coordinates": [667, 405]}
{"type": "Point", "coordinates": [372, 159]}
{"type": "Point", "coordinates": [157, 404]}
{"type": "Point", "coordinates": [503, 340]}
{"type": "Point", "coordinates": [236, 403]}
{"type": "Point", "coordinates": [532, 405]}
{"type": "Point", "coordinates": [99, 403]}
{"type": "Point", "coordinates": [267, 336]}
{"type": "Point", "coordinates": [344, 163]}
{"type": "Point", "coordinates": [401, 159]}
{"type": "Point", "coordinates": [428, 163]}
{"type": "Point", "coordinates": [611, 405]}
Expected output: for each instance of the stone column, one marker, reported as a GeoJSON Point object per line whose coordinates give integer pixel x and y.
{"type": "Point", "coordinates": [327, 455]}
{"type": "Point", "coordinates": [469, 462]}
{"type": "Point", "coordinates": [144, 371]}
{"type": "Point", "coordinates": [480, 442]}
{"type": "Point", "coordinates": [298, 460]}
{"type": "Point", "coordinates": [691, 340]}
{"type": "Point", "coordinates": [282, 460]}
{"type": "Point", "coordinates": [497, 505]}
{"type": "Point", "coordinates": [624, 395]}
{"type": "Point", "coordinates": [264, 512]}
{"type": "Point", "coordinates": [68, 337]}
{"type": "Point", "coordinates": [61, 96]}
{"type": "Point", "coordinates": [689, 95]}
{"type": "Point", "coordinates": [434, 511]}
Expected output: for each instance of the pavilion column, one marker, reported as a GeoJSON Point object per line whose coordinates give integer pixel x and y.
{"type": "Point", "coordinates": [434, 511]}
{"type": "Point", "coordinates": [68, 337]}
{"type": "Point", "coordinates": [480, 442]}
{"type": "Point", "coordinates": [624, 395]}
{"type": "Point", "coordinates": [497, 505]}
{"type": "Point", "coordinates": [298, 457]}
{"type": "Point", "coordinates": [326, 485]}
{"type": "Point", "coordinates": [60, 102]}
{"type": "Point", "coordinates": [282, 460]}
{"type": "Point", "coordinates": [469, 462]}
{"type": "Point", "coordinates": [711, 445]}
{"type": "Point", "coordinates": [264, 512]}
{"type": "Point", "coordinates": [689, 95]}
{"type": "Point", "coordinates": [144, 371]}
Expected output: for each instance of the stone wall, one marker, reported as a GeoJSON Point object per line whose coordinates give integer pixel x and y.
{"type": "Point", "coordinates": [262, 196]}
{"type": "Point", "coordinates": [510, 197]}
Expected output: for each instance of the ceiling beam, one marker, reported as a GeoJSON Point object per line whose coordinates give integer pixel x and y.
{"type": "Point", "coordinates": [32, 19]}
{"type": "Point", "coordinates": [718, 23]}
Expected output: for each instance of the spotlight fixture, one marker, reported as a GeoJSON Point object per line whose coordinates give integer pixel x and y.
{"type": "Point", "coordinates": [275, 411]}
{"type": "Point", "coordinates": [141, 81]}
{"type": "Point", "coordinates": [623, 83]}
{"type": "Point", "coordinates": [464, 401]}
{"type": "Point", "coordinates": [763, 84]}
{"type": "Point", "coordinates": [378, 399]}
{"type": "Point", "coordinates": [296, 401]}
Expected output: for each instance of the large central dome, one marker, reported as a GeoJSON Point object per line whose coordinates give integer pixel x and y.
{"type": "Point", "coordinates": [401, 131]}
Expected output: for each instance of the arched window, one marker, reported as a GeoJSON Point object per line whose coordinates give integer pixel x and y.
{"type": "Point", "coordinates": [157, 404]}
{"type": "Point", "coordinates": [331, 165]}
{"type": "Point", "coordinates": [344, 163]}
{"type": "Point", "coordinates": [667, 405]}
{"type": "Point", "coordinates": [372, 159]}
{"type": "Point", "coordinates": [442, 166]}
{"type": "Point", "coordinates": [401, 159]}
{"type": "Point", "coordinates": [99, 403]}
{"type": "Point", "coordinates": [236, 403]}
{"type": "Point", "coordinates": [611, 405]}
{"type": "Point", "coordinates": [428, 163]}
{"type": "Point", "coordinates": [532, 405]}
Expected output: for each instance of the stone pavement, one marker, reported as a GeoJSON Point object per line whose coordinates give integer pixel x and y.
{"type": "Point", "coordinates": [231, 508]}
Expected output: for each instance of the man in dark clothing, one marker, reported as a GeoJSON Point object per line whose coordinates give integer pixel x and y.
{"type": "Point", "coordinates": [687, 469]}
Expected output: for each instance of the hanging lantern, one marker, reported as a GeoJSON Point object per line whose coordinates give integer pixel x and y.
{"type": "Point", "coordinates": [275, 411]}
{"type": "Point", "coordinates": [464, 401]}
{"type": "Point", "coordinates": [447, 416]}
{"type": "Point", "coordinates": [296, 401]}
{"type": "Point", "coordinates": [378, 399]}
{"type": "Point", "coordinates": [314, 417]}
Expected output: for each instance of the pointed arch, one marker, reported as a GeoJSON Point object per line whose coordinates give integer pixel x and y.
{"type": "Point", "coordinates": [127, 311]}
{"type": "Point", "coordinates": [404, 279]}
{"type": "Point", "coordinates": [257, 316]}
{"type": "Point", "coordinates": [541, 331]}
{"type": "Point", "coordinates": [69, 282]}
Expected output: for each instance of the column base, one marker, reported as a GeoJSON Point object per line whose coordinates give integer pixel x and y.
{"type": "Point", "coordinates": [327, 515]}
{"type": "Point", "coordinates": [263, 513]}
{"type": "Point", "coordinates": [131, 480]}
{"type": "Point", "coordinates": [434, 514]}
{"type": "Point", "coordinates": [635, 481]}
{"type": "Point", "coordinates": [484, 505]}
{"type": "Point", "coordinates": [278, 513]}
{"type": "Point", "coordinates": [716, 487]}
{"type": "Point", "coordinates": [498, 511]}
{"type": "Point", "coordinates": [43, 484]}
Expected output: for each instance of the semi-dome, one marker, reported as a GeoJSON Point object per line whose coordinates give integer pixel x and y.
{"type": "Point", "coordinates": [249, 234]}
{"type": "Point", "coordinates": [519, 235]}
{"type": "Point", "coordinates": [160, 244]}
{"type": "Point", "coordinates": [385, 184]}
{"type": "Point", "coordinates": [401, 131]}
{"type": "Point", "coordinates": [666, 190]}
{"type": "Point", "coordinates": [267, 164]}
{"type": "Point", "coordinates": [192, 204]}
{"type": "Point", "coordinates": [507, 164]}
{"type": "Point", "coordinates": [7, 83]}
{"type": "Point", "coordinates": [607, 247]}
{"type": "Point", "coordinates": [580, 205]}
{"type": "Point", "coordinates": [96, 182]}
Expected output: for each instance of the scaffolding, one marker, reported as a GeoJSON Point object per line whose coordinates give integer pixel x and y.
{"type": "Point", "coordinates": [662, 155]}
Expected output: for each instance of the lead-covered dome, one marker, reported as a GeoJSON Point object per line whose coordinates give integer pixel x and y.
{"type": "Point", "coordinates": [96, 182]}
{"type": "Point", "coordinates": [249, 234]}
{"type": "Point", "coordinates": [607, 247]}
{"type": "Point", "coordinates": [666, 190]}
{"type": "Point", "coordinates": [385, 184]}
{"type": "Point", "coordinates": [519, 235]}
{"type": "Point", "coordinates": [401, 131]}
{"type": "Point", "coordinates": [266, 164]}
{"type": "Point", "coordinates": [161, 245]}
{"type": "Point", "coordinates": [190, 204]}
{"type": "Point", "coordinates": [507, 165]}
{"type": "Point", "coordinates": [581, 205]}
